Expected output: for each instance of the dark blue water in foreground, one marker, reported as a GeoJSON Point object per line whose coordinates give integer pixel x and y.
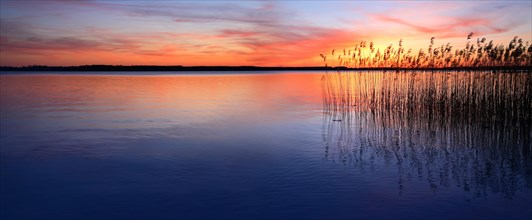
{"type": "Point", "coordinates": [243, 146]}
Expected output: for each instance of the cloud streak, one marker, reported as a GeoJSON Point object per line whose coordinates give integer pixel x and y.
{"type": "Point", "coordinates": [221, 33]}
{"type": "Point", "coordinates": [453, 28]}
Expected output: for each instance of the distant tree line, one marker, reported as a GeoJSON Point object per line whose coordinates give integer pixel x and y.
{"type": "Point", "coordinates": [230, 68]}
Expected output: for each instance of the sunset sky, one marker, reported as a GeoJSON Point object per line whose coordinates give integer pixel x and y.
{"type": "Point", "coordinates": [261, 33]}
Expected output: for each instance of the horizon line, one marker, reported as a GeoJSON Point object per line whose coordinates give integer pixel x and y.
{"type": "Point", "coordinates": [98, 67]}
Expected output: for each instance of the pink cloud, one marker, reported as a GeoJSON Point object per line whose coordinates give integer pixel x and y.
{"type": "Point", "coordinates": [453, 27]}
{"type": "Point", "coordinates": [238, 33]}
{"type": "Point", "coordinates": [229, 34]}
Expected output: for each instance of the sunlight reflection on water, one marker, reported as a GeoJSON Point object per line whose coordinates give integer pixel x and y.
{"type": "Point", "coordinates": [273, 145]}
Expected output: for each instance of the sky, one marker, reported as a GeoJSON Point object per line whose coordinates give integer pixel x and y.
{"type": "Point", "coordinates": [234, 33]}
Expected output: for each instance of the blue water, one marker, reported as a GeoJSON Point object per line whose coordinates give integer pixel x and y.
{"type": "Point", "coordinates": [242, 146]}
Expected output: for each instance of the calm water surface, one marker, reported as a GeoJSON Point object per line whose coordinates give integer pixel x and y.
{"type": "Point", "coordinates": [244, 146]}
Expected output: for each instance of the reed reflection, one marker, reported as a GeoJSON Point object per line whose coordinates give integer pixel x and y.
{"type": "Point", "coordinates": [470, 130]}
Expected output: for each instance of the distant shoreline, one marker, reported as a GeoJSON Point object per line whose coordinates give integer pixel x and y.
{"type": "Point", "coordinates": [147, 68]}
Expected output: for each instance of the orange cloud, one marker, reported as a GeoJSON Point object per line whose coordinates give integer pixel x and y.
{"type": "Point", "coordinates": [263, 34]}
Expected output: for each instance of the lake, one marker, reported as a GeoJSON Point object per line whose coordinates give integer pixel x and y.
{"type": "Point", "coordinates": [266, 145]}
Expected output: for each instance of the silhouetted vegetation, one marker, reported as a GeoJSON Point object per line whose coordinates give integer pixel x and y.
{"type": "Point", "coordinates": [95, 68]}
{"type": "Point", "coordinates": [466, 129]}
{"type": "Point", "coordinates": [111, 68]}
{"type": "Point", "coordinates": [476, 54]}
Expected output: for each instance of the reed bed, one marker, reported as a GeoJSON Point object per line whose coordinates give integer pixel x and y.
{"type": "Point", "coordinates": [467, 129]}
{"type": "Point", "coordinates": [445, 93]}
{"type": "Point", "coordinates": [479, 53]}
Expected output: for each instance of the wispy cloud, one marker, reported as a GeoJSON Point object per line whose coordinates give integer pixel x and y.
{"type": "Point", "coordinates": [454, 27]}
{"type": "Point", "coordinates": [227, 33]}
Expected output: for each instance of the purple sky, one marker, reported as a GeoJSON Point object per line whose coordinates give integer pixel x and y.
{"type": "Point", "coordinates": [263, 33]}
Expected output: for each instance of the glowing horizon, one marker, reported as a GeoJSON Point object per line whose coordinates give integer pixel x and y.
{"type": "Point", "coordinates": [259, 33]}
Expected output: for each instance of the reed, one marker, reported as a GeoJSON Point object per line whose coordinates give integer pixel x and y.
{"type": "Point", "coordinates": [431, 93]}
{"type": "Point", "coordinates": [467, 129]}
{"type": "Point", "coordinates": [476, 54]}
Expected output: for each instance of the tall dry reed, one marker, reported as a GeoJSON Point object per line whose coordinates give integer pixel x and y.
{"type": "Point", "coordinates": [466, 129]}
{"type": "Point", "coordinates": [476, 54]}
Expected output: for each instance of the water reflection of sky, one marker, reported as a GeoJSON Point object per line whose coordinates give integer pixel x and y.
{"type": "Point", "coordinates": [103, 107]}
{"type": "Point", "coordinates": [245, 145]}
